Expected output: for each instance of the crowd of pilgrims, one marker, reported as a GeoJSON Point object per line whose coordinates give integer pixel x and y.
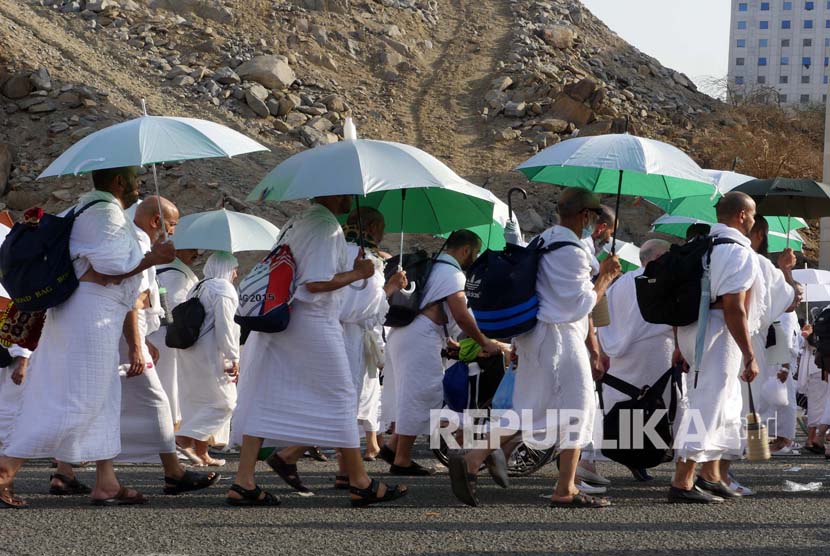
{"type": "Point", "coordinates": [336, 375]}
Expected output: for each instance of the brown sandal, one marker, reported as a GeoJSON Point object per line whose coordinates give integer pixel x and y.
{"type": "Point", "coordinates": [121, 499]}
{"type": "Point", "coordinates": [287, 472]}
{"type": "Point", "coordinates": [9, 501]}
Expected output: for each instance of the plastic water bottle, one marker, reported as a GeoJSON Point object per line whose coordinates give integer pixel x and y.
{"type": "Point", "coordinates": [167, 317]}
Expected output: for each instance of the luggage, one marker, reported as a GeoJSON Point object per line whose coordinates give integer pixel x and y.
{"type": "Point", "coordinates": [669, 290]}
{"type": "Point", "coordinates": [501, 288]}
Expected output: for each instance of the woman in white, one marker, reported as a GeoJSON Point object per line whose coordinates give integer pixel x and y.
{"type": "Point", "coordinates": [207, 393]}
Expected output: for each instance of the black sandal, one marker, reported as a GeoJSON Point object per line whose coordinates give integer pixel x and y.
{"type": "Point", "coordinates": [287, 472]}
{"type": "Point", "coordinates": [190, 481]}
{"type": "Point", "coordinates": [341, 482]}
{"type": "Point", "coordinates": [582, 501]}
{"type": "Point", "coordinates": [251, 498]}
{"type": "Point", "coordinates": [71, 487]}
{"type": "Point", "coordinates": [463, 483]}
{"type": "Point", "coordinates": [369, 496]}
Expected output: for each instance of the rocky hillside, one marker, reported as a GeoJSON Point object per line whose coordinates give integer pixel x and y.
{"type": "Point", "coordinates": [482, 84]}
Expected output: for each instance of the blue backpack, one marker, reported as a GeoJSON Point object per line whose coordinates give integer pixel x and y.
{"type": "Point", "coordinates": [35, 264]}
{"type": "Point", "coordinates": [501, 288]}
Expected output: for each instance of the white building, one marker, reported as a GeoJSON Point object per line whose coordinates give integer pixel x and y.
{"type": "Point", "coordinates": [782, 45]}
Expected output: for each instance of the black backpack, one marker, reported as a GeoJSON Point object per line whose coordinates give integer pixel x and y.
{"type": "Point", "coordinates": [404, 307]}
{"type": "Point", "coordinates": [501, 288]}
{"type": "Point", "coordinates": [35, 264]}
{"type": "Point", "coordinates": [669, 290]}
{"type": "Point", "coordinates": [821, 332]}
{"type": "Point", "coordinates": [640, 452]}
{"type": "Point", "coordinates": [188, 318]}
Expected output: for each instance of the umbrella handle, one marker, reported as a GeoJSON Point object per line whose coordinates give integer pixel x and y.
{"type": "Point", "coordinates": [616, 215]}
{"type": "Point", "coordinates": [510, 193]}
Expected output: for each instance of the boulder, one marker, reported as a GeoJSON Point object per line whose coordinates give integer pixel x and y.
{"type": "Point", "coordinates": [273, 106]}
{"type": "Point", "coordinates": [554, 125]}
{"type": "Point", "coordinates": [581, 90]}
{"type": "Point", "coordinates": [508, 134]}
{"type": "Point", "coordinates": [40, 80]}
{"type": "Point", "coordinates": [24, 199]}
{"type": "Point", "coordinates": [558, 36]}
{"type": "Point", "coordinates": [18, 86]}
{"type": "Point", "coordinates": [570, 110]}
{"type": "Point", "coordinates": [256, 104]}
{"type": "Point", "coordinates": [258, 91]}
{"type": "Point", "coordinates": [182, 81]}
{"type": "Point", "coordinates": [226, 76]}
{"type": "Point", "coordinates": [334, 103]}
{"type": "Point", "coordinates": [501, 83]}
{"type": "Point", "coordinates": [336, 6]}
{"type": "Point", "coordinates": [312, 137]}
{"type": "Point", "coordinates": [6, 157]}
{"type": "Point", "coordinates": [288, 103]}
{"type": "Point", "coordinates": [206, 9]}
{"type": "Point", "coordinates": [515, 109]}
{"type": "Point", "coordinates": [100, 5]}
{"type": "Point", "coordinates": [271, 71]}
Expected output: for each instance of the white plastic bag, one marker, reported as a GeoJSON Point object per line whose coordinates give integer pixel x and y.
{"type": "Point", "coordinates": [790, 486]}
{"type": "Point", "coordinates": [775, 392]}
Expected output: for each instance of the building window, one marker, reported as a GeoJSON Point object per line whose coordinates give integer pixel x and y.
{"type": "Point", "coordinates": [762, 80]}
{"type": "Point", "coordinates": [763, 25]}
{"type": "Point", "coordinates": [805, 99]}
{"type": "Point", "coordinates": [763, 43]}
{"type": "Point", "coordinates": [785, 60]}
{"type": "Point", "coordinates": [827, 23]}
{"type": "Point", "coordinates": [807, 42]}
{"type": "Point", "coordinates": [824, 99]}
{"type": "Point", "coordinates": [805, 61]}
{"type": "Point", "coordinates": [826, 61]}
{"type": "Point", "coordinates": [739, 61]}
{"type": "Point", "coordinates": [785, 24]}
{"type": "Point", "coordinates": [739, 80]}
{"type": "Point", "coordinates": [762, 61]}
{"type": "Point", "coordinates": [785, 43]}
{"type": "Point", "coordinates": [805, 79]}
{"type": "Point", "coordinates": [789, 5]}
{"type": "Point", "coordinates": [825, 80]}
{"type": "Point", "coordinates": [809, 5]}
{"type": "Point", "coordinates": [808, 23]}
{"type": "Point", "coordinates": [742, 7]}
{"type": "Point", "coordinates": [782, 98]}
{"type": "Point", "coordinates": [826, 42]}
{"type": "Point", "coordinates": [784, 79]}
{"type": "Point", "coordinates": [741, 43]}
{"type": "Point", "coordinates": [764, 6]}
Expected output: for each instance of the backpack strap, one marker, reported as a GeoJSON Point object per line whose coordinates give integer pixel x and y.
{"type": "Point", "coordinates": [76, 212]}
{"type": "Point", "coordinates": [620, 385]}
{"type": "Point", "coordinates": [556, 245]}
{"type": "Point", "coordinates": [715, 242]}
{"type": "Point", "coordinates": [163, 270]}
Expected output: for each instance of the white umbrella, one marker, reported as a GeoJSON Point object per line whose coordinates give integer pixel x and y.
{"type": "Point", "coordinates": [225, 230]}
{"type": "Point", "coordinates": [811, 276]}
{"type": "Point", "coordinates": [816, 293]}
{"type": "Point", "coordinates": [725, 180]}
{"type": "Point", "coordinates": [628, 253]}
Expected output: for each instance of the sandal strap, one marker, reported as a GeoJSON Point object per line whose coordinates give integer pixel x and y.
{"type": "Point", "coordinates": [64, 479]}
{"type": "Point", "coordinates": [252, 494]}
{"type": "Point", "coordinates": [369, 492]}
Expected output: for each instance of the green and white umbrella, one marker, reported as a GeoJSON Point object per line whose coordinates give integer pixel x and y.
{"type": "Point", "coordinates": [777, 237]}
{"type": "Point", "coordinates": [492, 235]}
{"type": "Point", "coordinates": [619, 164]}
{"type": "Point", "coordinates": [628, 253]}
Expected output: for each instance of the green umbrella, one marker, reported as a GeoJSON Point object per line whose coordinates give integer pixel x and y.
{"type": "Point", "coordinates": [677, 225]}
{"type": "Point", "coordinates": [702, 208]}
{"type": "Point", "coordinates": [620, 164]}
{"type": "Point", "coordinates": [492, 234]}
{"type": "Point", "coordinates": [628, 253]}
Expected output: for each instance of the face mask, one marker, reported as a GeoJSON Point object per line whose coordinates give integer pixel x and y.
{"type": "Point", "coordinates": [587, 231]}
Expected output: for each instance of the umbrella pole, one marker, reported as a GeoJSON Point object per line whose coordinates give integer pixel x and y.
{"type": "Point", "coordinates": [400, 251]}
{"type": "Point", "coordinates": [156, 183]}
{"type": "Point", "coordinates": [806, 302]}
{"type": "Point", "coordinates": [616, 215]}
{"type": "Point", "coordinates": [788, 231]}
{"type": "Point", "coordinates": [359, 222]}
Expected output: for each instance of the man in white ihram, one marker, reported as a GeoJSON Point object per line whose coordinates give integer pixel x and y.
{"type": "Point", "coordinates": [709, 429]}
{"type": "Point", "coordinates": [146, 422]}
{"type": "Point", "coordinates": [72, 397]}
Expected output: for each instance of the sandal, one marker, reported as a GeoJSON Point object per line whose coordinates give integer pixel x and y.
{"type": "Point", "coordinates": [497, 467]}
{"type": "Point", "coordinates": [191, 456]}
{"type": "Point", "coordinates": [71, 487]}
{"type": "Point", "coordinates": [121, 499]}
{"type": "Point", "coordinates": [387, 454]}
{"type": "Point", "coordinates": [369, 496]}
{"type": "Point", "coordinates": [581, 501]}
{"type": "Point", "coordinates": [251, 498]}
{"type": "Point", "coordinates": [463, 483]}
{"type": "Point", "coordinates": [412, 470]}
{"type": "Point", "coordinates": [190, 481]}
{"type": "Point", "coordinates": [211, 462]}
{"type": "Point", "coordinates": [341, 482]}
{"type": "Point", "coordinates": [815, 449]}
{"type": "Point", "coordinates": [9, 500]}
{"type": "Point", "coordinates": [287, 472]}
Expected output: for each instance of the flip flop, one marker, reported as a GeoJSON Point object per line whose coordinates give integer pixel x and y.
{"type": "Point", "coordinates": [463, 483]}
{"type": "Point", "coordinates": [581, 501]}
{"type": "Point", "coordinates": [9, 501]}
{"type": "Point", "coordinates": [121, 499]}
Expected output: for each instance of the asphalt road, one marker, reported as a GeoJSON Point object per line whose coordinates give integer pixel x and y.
{"type": "Point", "coordinates": [429, 521]}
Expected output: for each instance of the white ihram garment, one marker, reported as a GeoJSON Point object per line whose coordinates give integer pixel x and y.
{"type": "Point", "coordinates": [178, 280]}
{"type": "Point", "coordinates": [811, 384]}
{"type": "Point", "coordinates": [206, 396]}
{"type": "Point", "coordinates": [415, 352]}
{"type": "Point", "coordinates": [146, 421]}
{"type": "Point", "coordinates": [10, 393]}
{"type": "Point", "coordinates": [296, 387]}
{"type": "Point", "coordinates": [71, 403]}
{"type": "Point", "coordinates": [781, 420]}
{"type": "Point", "coordinates": [554, 370]}
{"type": "Point", "coordinates": [710, 427]}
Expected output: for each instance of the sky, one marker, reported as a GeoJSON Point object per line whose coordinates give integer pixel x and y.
{"type": "Point", "coordinates": [691, 36]}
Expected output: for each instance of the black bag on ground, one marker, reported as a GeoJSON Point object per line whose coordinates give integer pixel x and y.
{"type": "Point", "coordinates": [501, 288]}
{"type": "Point", "coordinates": [35, 264]}
{"type": "Point", "coordinates": [403, 306]}
{"type": "Point", "coordinates": [668, 291]}
{"type": "Point", "coordinates": [631, 450]}
{"type": "Point", "coordinates": [188, 318]}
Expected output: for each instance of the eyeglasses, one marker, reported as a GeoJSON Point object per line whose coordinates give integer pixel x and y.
{"type": "Point", "coordinates": [596, 211]}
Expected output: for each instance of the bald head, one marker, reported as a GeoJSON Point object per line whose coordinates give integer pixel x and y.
{"type": "Point", "coordinates": [652, 250]}
{"type": "Point", "coordinates": [148, 219]}
{"type": "Point", "coordinates": [736, 210]}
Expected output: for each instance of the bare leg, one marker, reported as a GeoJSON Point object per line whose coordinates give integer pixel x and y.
{"type": "Point", "coordinates": [565, 488]}
{"type": "Point", "coordinates": [172, 467]}
{"type": "Point", "coordinates": [8, 469]}
{"type": "Point", "coordinates": [106, 483]}
{"type": "Point", "coordinates": [403, 450]}
{"type": "Point", "coordinates": [684, 475]}
{"type": "Point", "coordinates": [292, 454]}
{"type": "Point", "coordinates": [710, 471]}
{"type": "Point", "coordinates": [724, 466]}
{"type": "Point", "coordinates": [247, 464]}
{"type": "Point", "coordinates": [372, 446]}
{"type": "Point", "coordinates": [64, 469]}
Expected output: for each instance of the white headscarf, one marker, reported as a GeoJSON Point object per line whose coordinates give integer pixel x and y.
{"type": "Point", "coordinates": [221, 265]}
